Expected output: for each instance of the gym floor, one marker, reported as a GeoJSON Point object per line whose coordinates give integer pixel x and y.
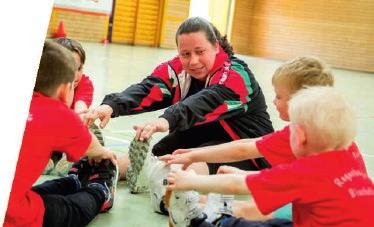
{"type": "Point", "coordinates": [112, 68]}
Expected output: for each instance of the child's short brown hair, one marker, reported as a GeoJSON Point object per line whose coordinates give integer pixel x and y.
{"type": "Point", "coordinates": [73, 46]}
{"type": "Point", "coordinates": [57, 66]}
{"type": "Point", "coordinates": [302, 72]}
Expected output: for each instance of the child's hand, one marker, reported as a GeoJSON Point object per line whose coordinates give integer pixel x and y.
{"type": "Point", "coordinates": [180, 156]}
{"type": "Point", "coordinates": [104, 156]}
{"type": "Point", "coordinates": [181, 180]}
{"type": "Point", "coordinates": [103, 112]}
{"type": "Point", "coordinates": [229, 170]}
{"type": "Point", "coordinates": [144, 132]}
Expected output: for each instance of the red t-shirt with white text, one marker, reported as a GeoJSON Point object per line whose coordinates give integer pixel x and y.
{"type": "Point", "coordinates": [328, 189]}
{"type": "Point", "coordinates": [51, 126]}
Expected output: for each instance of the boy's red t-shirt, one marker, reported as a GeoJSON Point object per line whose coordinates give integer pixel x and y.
{"type": "Point", "coordinates": [51, 126]}
{"type": "Point", "coordinates": [328, 189]}
{"type": "Point", "coordinates": [84, 91]}
{"type": "Point", "coordinates": [276, 147]}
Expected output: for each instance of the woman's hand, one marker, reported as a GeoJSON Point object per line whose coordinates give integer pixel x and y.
{"type": "Point", "coordinates": [144, 132]}
{"type": "Point", "coordinates": [103, 112]}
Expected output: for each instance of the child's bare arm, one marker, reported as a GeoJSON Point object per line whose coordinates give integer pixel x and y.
{"type": "Point", "coordinates": [96, 152]}
{"type": "Point", "coordinates": [80, 107]}
{"type": "Point", "coordinates": [222, 183]}
{"type": "Point", "coordinates": [233, 170]}
{"type": "Point", "coordinates": [228, 152]}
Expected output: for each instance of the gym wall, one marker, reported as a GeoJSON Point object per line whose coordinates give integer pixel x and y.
{"type": "Point", "coordinates": [338, 31]}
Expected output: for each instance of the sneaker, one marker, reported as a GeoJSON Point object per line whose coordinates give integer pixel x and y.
{"type": "Point", "coordinates": [218, 205]}
{"type": "Point", "coordinates": [62, 167]}
{"type": "Point", "coordinates": [82, 169]}
{"type": "Point", "coordinates": [183, 208]}
{"type": "Point", "coordinates": [104, 177]}
{"type": "Point", "coordinates": [97, 132]}
{"type": "Point", "coordinates": [48, 169]}
{"type": "Point", "coordinates": [135, 174]}
{"type": "Point", "coordinates": [157, 175]}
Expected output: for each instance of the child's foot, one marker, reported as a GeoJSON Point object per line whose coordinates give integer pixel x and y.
{"type": "Point", "coordinates": [62, 167]}
{"type": "Point", "coordinates": [82, 169]}
{"type": "Point", "coordinates": [183, 208]}
{"type": "Point", "coordinates": [97, 132]}
{"type": "Point", "coordinates": [218, 205]}
{"type": "Point", "coordinates": [157, 184]}
{"type": "Point", "coordinates": [48, 169]}
{"type": "Point", "coordinates": [104, 177]}
{"type": "Point", "coordinates": [135, 175]}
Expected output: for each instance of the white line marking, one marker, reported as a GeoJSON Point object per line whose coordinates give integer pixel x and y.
{"type": "Point", "coordinates": [367, 155]}
{"type": "Point", "coordinates": [117, 139]}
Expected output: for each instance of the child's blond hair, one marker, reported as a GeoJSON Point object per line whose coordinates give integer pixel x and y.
{"type": "Point", "coordinates": [326, 116]}
{"type": "Point", "coordinates": [301, 72]}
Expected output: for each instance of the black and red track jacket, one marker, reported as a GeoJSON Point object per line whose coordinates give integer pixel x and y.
{"type": "Point", "coordinates": [231, 96]}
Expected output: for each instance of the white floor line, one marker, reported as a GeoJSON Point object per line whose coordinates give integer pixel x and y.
{"type": "Point", "coordinates": [123, 131]}
{"type": "Point", "coordinates": [117, 139]}
{"type": "Point", "coordinates": [367, 155]}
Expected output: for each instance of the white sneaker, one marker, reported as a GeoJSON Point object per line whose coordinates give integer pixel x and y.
{"type": "Point", "coordinates": [157, 175]}
{"type": "Point", "coordinates": [183, 207]}
{"type": "Point", "coordinates": [218, 204]}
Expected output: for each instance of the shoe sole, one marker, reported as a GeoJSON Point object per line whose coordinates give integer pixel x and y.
{"type": "Point", "coordinates": [137, 154]}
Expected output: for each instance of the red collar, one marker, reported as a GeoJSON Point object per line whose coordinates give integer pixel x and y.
{"type": "Point", "coordinates": [221, 57]}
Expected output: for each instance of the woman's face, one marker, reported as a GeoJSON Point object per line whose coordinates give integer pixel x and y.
{"type": "Point", "coordinates": [197, 54]}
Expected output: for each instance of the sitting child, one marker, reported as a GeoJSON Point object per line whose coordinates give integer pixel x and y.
{"type": "Point", "coordinates": [82, 100]}
{"type": "Point", "coordinates": [324, 176]}
{"type": "Point", "coordinates": [51, 125]}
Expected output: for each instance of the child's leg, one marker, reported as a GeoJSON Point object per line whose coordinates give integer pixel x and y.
{"type": "Point", "coordinates": [249, 210]}
{"type": "Point", "coordinates": [193, 137]}
{"type": "Point", "coordinates": [76, 209]}
{"type": "Point", "coordinates": [61, 186]}
{"type": "Point", "coordinates": [229, 221]}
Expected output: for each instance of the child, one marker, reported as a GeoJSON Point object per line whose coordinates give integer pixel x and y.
{"type": "Point", "coordinates": [73, 200]}
{"type": "Point", "coordinates": [83, 96]}
{"type": "Point", "coordinates": [323, 175]}
{"type": "Point", "coordinates": [287, 80]}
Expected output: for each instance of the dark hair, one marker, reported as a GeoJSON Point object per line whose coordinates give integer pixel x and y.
{"type": "Point", "coordinates": [57, 66]}
{"type": "Point", "coordinates": [73, 46]}
{"type": "Point", "coordinates": [197, 24]}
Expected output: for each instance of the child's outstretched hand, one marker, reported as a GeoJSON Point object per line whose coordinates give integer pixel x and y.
{"type": "Point", "coordinates": [180, 156]}
{"type": "Point", "coordinates": [181, 180]}
{"type": "Point", "coordinates": [233, 170]}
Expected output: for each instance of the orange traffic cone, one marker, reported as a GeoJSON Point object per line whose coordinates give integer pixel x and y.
{"type": "Point", "coordinates": [60, 33]}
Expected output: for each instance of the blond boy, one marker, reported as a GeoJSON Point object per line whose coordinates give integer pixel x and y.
{"type": "Point", "coordinates": [323, 175]}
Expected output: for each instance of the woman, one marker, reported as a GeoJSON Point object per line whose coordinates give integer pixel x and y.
{"type": "Point", "coordinates": [211, 97]}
